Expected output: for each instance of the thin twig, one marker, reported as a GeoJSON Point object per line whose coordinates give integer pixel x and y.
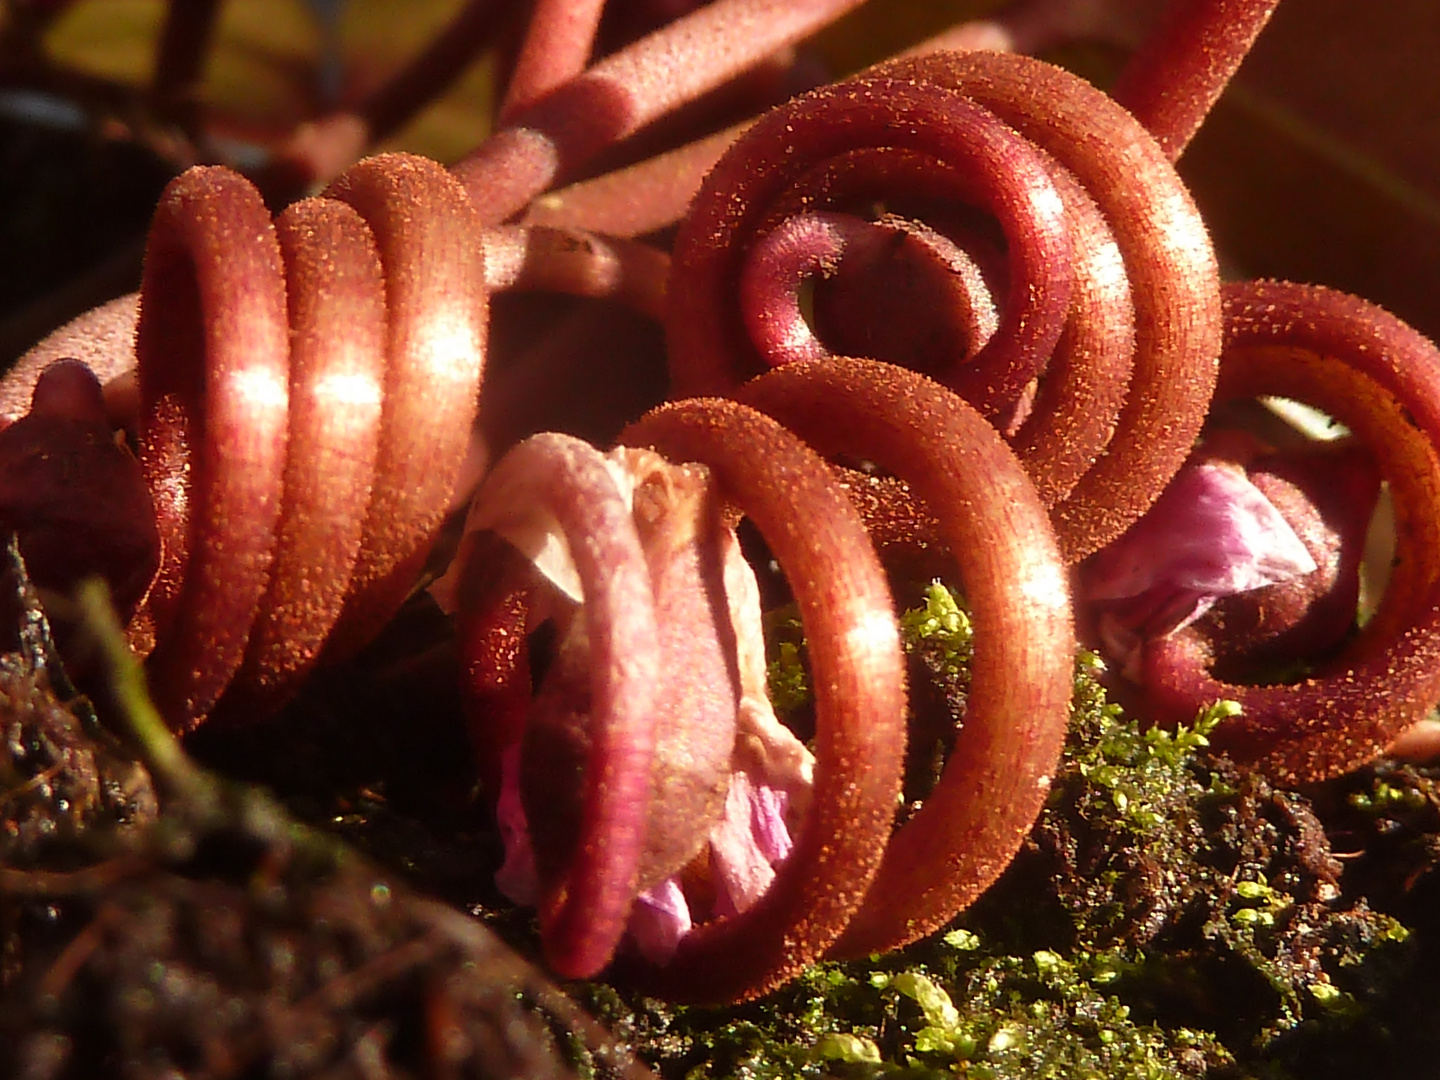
{"type": "Point", "coordinates": [161, 750]}
{"type": "Point", "coordinates": [184, 47]}
{"type": "Point", "coordinates": [58, 884]}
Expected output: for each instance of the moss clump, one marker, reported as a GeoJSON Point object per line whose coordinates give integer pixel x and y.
{"type": "Point", "coordinates": [951, 1006]}
{"type": "Point", "coordinates": [940, 629]}
{"type": "Point", "coordinates": [985, 1014]}
{"type": "Point", "coordinates": [787, 675]}
{"type": "Point", "coordinates": [939, 643]}
{"type": "Point", "coordinates": [787, 679]}
{"type": "Point", "coordinates": [1169, 916]}
{"type": "Point", "coordinates": [1214, 895]}
{"type": "Point", "coordinates": [1389, 815]}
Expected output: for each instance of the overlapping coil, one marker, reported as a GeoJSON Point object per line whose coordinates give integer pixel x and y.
{"type": "Point", "coordinates": [307, 391]}
{"type": "Point", "coordinates": [1100, 273]}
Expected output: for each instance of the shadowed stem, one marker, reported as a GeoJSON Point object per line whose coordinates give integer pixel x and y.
{"type": "Point", "coordinates": [577, 263]}
{"type": "Point", "coordinates": [320, 150]}
{"type": "Point", "coordinates": [1180, 70]}
{"type": "Point", "coordinates": [184, 46]}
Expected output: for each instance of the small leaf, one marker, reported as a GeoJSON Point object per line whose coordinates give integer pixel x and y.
{"type": "Point", "coordinates": [839, 1046]}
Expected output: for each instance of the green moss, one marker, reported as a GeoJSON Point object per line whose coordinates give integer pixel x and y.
{"type": "Point", "coordinates": [787, 679]}
{"type": "Point", "coordinates": [942, 625]}
{"type": "Point", "coordinates": [1170, 917]}
{"type": "Point", "coordinates": [1218, 894]}
{"type": "Point", "coordinates": [1039, 1016]}
{"type": "Point", "coordinates": [948, 1007]}
{"type": "Point", "coordinates": [787, 674]}
{"type": "Point", "coordinates": [1140, 771]}
{"type": "Point", "coordinates": [1386, 797]}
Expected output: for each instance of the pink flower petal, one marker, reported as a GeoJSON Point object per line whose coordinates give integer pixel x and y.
{"type": "Point", "coordinates": [659, 920]}
{"type": "Point", "coordinates": [1212, 534]}
{"type": "Point", "coordinates": [745, 845]}
{"type": "Point", "coordinates": [1212, 531]}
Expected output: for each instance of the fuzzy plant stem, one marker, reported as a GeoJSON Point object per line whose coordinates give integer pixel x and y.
{"type": "Point", "coordinates": [1179, 72]}
{"type": "Point", "coordinates": [622, 93]}
{"type": "Point", "coordinates": [556, 48]}
{"type": "Point", "coordinates": [639, 199]}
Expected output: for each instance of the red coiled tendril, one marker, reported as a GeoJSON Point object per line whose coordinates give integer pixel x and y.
{"type": "Point", "coordinates": [1381, 379]}
{"type": "Point", "coordinates": [1110, 292]}
{"type": "Point", "coordinates": [307, 390]}
{"type": "Point", "coordinates": [849, 887]}
{"type": "Point", "coordinates": [1012, 236]}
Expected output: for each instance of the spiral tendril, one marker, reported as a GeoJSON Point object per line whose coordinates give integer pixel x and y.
{"type": "Point", "coordinates": [308, 388]}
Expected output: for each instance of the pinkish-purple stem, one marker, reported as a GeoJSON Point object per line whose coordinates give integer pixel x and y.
{"type": "Point", "coordinates": [180, 59]}
{"type": "Point", "coordinates": [556, 48]}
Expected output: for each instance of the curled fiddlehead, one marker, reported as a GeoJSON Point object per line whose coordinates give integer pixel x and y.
{"type": "Point", "coordinates": [991, 518]}
{"type": "Point", "coordinates": [1109, 266]}
{"type": "Point", "coordinates": [1378, 377]}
